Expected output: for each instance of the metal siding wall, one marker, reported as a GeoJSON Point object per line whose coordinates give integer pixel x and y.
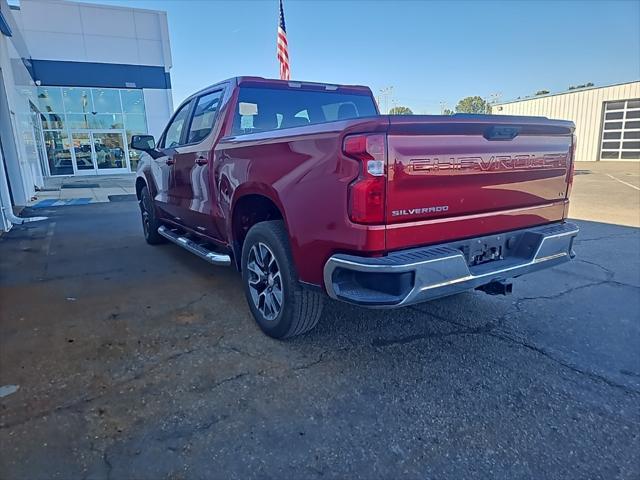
{"type": "Point", "coordinates": [583, 107]}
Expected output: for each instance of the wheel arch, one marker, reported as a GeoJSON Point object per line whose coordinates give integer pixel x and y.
{"type": "Point", "coordinates": [140, 184]}
{"type": "Point", "coordinates": [249, 208]}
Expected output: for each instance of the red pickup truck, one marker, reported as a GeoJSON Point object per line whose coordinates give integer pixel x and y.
{"type": "Point", "coordinates": [307, 190]}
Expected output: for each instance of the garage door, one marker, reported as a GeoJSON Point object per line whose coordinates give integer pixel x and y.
{"type": "Point", "coordinates": [621, 130]}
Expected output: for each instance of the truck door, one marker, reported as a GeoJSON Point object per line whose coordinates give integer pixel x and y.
{"type": "Point", "coordinates": [192, 190]}
{"type": "Point", "coordinates": [162, 166]}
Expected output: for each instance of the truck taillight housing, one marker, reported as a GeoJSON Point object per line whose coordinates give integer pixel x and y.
{"type": "Point", "coordinates": [367, 192]}
{"type": "Point", "coordinates": [572, 165]}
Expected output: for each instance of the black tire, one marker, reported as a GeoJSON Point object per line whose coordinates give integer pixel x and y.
{"type": "Point", "coordinates": [150, 223]}
{"type": "Point", "coordinates": [300, 308]}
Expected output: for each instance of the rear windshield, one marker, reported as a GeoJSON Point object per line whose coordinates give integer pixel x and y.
{"type": "Point", "coordinates": [264, 109]}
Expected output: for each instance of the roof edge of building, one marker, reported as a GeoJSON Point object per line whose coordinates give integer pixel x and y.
{"type": "Point", "coordinates": [575, 90]}
{"type": "Point", "coordinates": [105, 5]}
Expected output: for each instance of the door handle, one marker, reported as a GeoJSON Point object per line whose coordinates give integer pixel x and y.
{"type": "Point", "coordinates": [200, 160]}
{"type": "Point", "coordinates": [170, 161]}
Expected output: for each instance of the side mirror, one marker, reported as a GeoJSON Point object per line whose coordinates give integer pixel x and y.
{"type": "Point", "coordinates": [143, 142]}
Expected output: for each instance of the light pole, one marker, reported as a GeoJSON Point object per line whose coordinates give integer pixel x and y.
{"type": "Point", "coordinates": [385, 94]}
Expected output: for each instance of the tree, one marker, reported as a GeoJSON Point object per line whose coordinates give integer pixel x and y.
{"type": "Point", "coordinates": [400, 111]}
{"type": "Point", "coordinates": [542, 92]}
{"type": "Point", "coordinates": [473, 105]}
{"type": "Point", "coordinates": [585, 85]}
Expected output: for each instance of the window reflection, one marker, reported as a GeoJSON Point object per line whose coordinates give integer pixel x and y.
{"type": "Point", "coordinates": [106, 100]}
{"type": "Point", "coordinates": [77, 100]}
{"type": "Point", "coordinates": [106, 121]}
{"type": "Point", "coordinates": [132, 101]}
{"type": "Point", "coordinates": [82, 150]}
{"type": "Point", "coordinates": [78, 121]}
{"type": "Point", "coordinates": [109, 150]}
{"type": "Point", "coordinates": [58, 152]}
{"type": "Point", "coordinates": [135, 124]}
{"type": "Point", "coordinates": [52, 121]}
{"type": "Point", "coordinates": [50, 100]}
{"type": "Point", "coordinates": [80, 109]}
{"type": "Point", "coordinates": [203, 117]}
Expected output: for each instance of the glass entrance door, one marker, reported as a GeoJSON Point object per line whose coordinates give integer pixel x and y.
{"type": "Point", "coordinates": [97, 152]}
{"type": "Point", "coordinates": [110, 151]}
{"type": "Point", "coordinates": [83, 153]}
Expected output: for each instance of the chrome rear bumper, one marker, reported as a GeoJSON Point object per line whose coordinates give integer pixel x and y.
{"type": "Point", "coordinates": [420, 274]}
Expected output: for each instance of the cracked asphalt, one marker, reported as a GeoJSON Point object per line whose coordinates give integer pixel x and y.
{"type": "Point", "coordinates": [140, 362]}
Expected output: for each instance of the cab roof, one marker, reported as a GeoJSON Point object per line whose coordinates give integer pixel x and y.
{"type": "Point", "coordinates": [277, 83]}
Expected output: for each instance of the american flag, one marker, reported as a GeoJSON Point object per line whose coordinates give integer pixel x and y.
{"type": "Point", "coordinates": [283, 49]}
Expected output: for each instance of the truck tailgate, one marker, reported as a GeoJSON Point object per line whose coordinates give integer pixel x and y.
{"type": "Point", "coordinates": [473, 169]}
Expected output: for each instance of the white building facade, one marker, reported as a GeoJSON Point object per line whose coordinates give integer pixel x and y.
{"type": "Point", "coordinates": [77, 80]}
{"type": "Point", "coordinates": [607, 118]}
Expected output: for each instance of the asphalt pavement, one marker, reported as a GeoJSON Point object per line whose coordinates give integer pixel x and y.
{"type": "Point", "coordinates": [129, 361]}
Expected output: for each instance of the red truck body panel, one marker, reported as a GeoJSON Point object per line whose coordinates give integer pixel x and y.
{"type": "Point", "coordinates": [303, 172]}
{"type": "Point", "coordinates": [487, 185]}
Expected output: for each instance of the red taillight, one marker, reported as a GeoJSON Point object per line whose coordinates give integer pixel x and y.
{"type": "Point", "coordinates": [367, 192]}
{"type": "Point", "coordinates": [572, 165]}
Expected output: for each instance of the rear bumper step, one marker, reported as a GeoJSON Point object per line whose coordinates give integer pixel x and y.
{"type": "Point", "coordinates": [419, 274]}
{"type": "Point", "coordinates": [201, 251]}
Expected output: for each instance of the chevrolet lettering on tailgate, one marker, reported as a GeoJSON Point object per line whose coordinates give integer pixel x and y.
{"type": "Point", "coordinates": [492, 163]}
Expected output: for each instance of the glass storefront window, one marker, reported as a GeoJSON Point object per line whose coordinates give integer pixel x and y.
{"type": "Point", "coordinates": [135, 122]}
{"type": "Point", "coordinates": [134, 155]}
{"type": "Point", "coordinates": [106, 121]}
{"type": "Point", "coordinates": [83, 113]}
{"type": "Point", "coordinates": [77, 100]}
{"type": "Point", "coordinates": [106, 100]}
{"type": "Point", "coordinates": [132, 101]}
{"type": "Point", "coordinates": [58, 151]}
{"type": "Point", "coordinates": [77, 121]}
{"type": "Point", "coordinates": [52, 120]}
{"type": "Point", "coordinates": [101, 121]}
{"type": "Point", "coordinates": [50, 100]}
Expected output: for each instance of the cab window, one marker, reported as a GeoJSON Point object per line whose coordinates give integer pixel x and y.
{"type": "Point", "coordinates": [173, 136]}
{"type": "Point", "coordinates": [204, 116]}
{"type": "Point", "coordinates": [263, 109]}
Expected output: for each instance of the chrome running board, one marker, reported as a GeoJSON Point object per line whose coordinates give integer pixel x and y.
{"type": "Point", "coordinates": [210, 256]}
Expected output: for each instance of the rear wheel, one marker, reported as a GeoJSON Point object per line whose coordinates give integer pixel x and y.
{"type": "Point", "coordinates": [280, 306]}
{"type": "Point", "coordinates": [150, 223]}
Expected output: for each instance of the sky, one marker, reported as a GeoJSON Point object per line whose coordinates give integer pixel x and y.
{"type": "Point", "coordinates": [432, 53]}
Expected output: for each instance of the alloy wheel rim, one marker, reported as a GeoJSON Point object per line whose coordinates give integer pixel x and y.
{"type": "Point", "coordinates": [145, 222]}
{"type": "Point", "coordinates": [145, 217]}
{"type": "Point", "coordinates": [265, 281]}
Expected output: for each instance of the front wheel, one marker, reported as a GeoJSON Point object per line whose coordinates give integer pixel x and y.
{"type": "Point", "coordinates": [150, 223]}
{"type": "Point", "coordinates": [280, 306]}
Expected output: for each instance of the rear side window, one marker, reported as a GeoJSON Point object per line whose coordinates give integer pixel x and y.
{"type": "Point", "coordinates": [204, 116]}
{"type": "Point", "coordinates": [264, 109]}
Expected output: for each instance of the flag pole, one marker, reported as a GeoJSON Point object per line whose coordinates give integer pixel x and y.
{"type": "Point", "coordinates": [282, 47]}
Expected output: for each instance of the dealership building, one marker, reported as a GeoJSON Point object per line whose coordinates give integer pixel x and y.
{"type": "Point", "coordinates": [77, 80]}
{"type": "Point", "coordinates": [607, 118]}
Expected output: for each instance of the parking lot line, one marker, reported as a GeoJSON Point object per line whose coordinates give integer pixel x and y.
{"type": "Point", "coordinates": [622, 181]}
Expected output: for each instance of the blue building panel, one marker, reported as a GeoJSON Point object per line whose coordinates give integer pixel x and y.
{"type": "Point", "coordinates": [4, 26]}
{"type": "Point", "coordinates": [107, 75]}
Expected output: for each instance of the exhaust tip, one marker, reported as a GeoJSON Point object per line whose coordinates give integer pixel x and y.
{"type": "Point", "coordinates": [497, 288]}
